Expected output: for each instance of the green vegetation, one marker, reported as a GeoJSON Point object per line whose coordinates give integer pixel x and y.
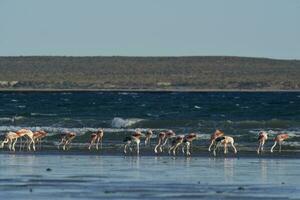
{"type": "Point", "coordinates": [182, 73]}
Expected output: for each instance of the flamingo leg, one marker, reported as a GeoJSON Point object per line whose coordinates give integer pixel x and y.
{"type": "Point", "coordinates": [262, 146]}
{"type": "Point", "coordinates": [176, 147]}
{"type": "Point", "coordinates": [91, 143]}
{"type": "Point", "coordinates": [235, 151]}
{"type": "Point", "coordinates": [4, 142]}
{"type": "Point", "coordinates": [158, 144]}
{"type": "Point", "coordinates": [13, 145]}
{"type": "Point", "coordinates": [125, 147]}
{"type": "Point", "coordinates": [61, 142]}
{"type": "Point", "coordinates": [259, 147]}
{"type": "Point", "coordinates": [280, 146]}
{"type": "Point", "coordinates": [182, 149]}
{"type": "Point", "coordinates": [225, 148]}
{"type": "Point", "coordinates": [212, 142]}
{"type": "Point", "coordinates": [165, 142]}
{"type": "Point", "coordinates": [216, 147]}
{"type": "Point", "coordinates": [10, 145]}
{"type": "Point", "coordinates": [138, 147]}
{"type": "Point", "coordinates": [188, 146]}
{"type": "Point", "coordinates": [275, 143]}
{"type": "Point", "coordinates": [171, 149]}
{"type": "Point", "coordinates": [20, 147]}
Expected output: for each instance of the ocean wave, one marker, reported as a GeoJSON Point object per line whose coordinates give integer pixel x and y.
{"type": "Point", "coordinates": [3, 119]}
{"type": "Point", "coordinates": [273, 123]}
{"type": "Point", "coordinates": [54, 130]}
{"type": "Point", "coordinates": [118, 122]}
{"type": "Point", "coordinates": [11, 119]}
{"type": "Point", "coordinates": [292, 144]}
{"type": "Point", "coordinates": [43, 114]}
{"type": "Point", "coordinates": [21, 106]}
{"type": "Point", "coordinates": [273, 133]}
{"type": "Point", "coordinates": [203, 136]}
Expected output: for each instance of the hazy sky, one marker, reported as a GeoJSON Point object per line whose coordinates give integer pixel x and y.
{"type": "Point", "coordinates": [262, 28]}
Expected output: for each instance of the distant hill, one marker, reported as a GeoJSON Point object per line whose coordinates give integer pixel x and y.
{"type": "Point", "coordinates": [151, 73]}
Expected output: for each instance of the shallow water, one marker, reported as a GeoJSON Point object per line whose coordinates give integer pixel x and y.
{"type": "Point", "coordinates": [117, 177]}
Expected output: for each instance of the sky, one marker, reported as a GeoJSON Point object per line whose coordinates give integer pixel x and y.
{"type": "Point", "coordinates": [251, 28]}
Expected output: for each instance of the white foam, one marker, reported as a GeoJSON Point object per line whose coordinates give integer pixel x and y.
{"type": "Point", "coordinates": [21, 106]}
{"type": "Point", "coordinates": [4, 119]}
{"type": "Point", "coordinates": [119, 122]}
{"type": "Point", "coordinates": [54, 130]}
{"type": "Point", "coordinates": [203, 136]}
{"type": "Point", "coordinates": [43, 114]}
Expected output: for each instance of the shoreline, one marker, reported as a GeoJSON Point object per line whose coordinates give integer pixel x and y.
{"type": "Point", "coordinates": [287, 154]}
{"type": "Point", "coordinates": [146, 90]}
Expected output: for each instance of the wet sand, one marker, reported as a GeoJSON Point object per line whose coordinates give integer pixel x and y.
{"type": "Point", "coordinates": [70, 176]}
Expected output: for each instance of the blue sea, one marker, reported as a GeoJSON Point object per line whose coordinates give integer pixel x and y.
{"type": "Point", "coordinates": [240, 114]}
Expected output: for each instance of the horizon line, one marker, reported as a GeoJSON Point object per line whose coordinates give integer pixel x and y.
{"type": "Point", "coordinates": [151, 56]}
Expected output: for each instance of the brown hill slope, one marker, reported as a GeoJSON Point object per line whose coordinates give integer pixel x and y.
{"type": "Point", "coordinates": [231, 73]}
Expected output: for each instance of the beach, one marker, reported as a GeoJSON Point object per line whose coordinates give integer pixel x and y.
{"type": "Point", "coordinates": [53, 176]}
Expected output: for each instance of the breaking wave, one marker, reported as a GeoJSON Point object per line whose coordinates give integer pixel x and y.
{"type": "Point", "coordinates": [118, 122]}
{"type": "Point", "coordinates": [7, 119]}
{"type": "Point", "coordinates": [54, 130]}
{"type": "Point", "coordinates": [43, 114]}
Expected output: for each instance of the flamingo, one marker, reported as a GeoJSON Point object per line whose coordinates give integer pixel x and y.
{"type": "Point", "coordinates": [66, 139]}
{"type": "Point", "coordinates": [262, 137]}
{"type": "Point", "coordinates": [10, 138]}
{"type": "Point", "coordinates": [149, 135]}
{"type": "Point", "coordinates": [187, 141]}
{"type": "Point", "coordinates": [134, 138]}
{"type": "Point", "coordinates": [178, 140]}
{"type": "Point", "coordinates": [169, 134]}
{"type": "Point", "coordinates": [96, 138]}
{"type": "Point", "coordinates": [225, 140]}
{"type": "Point", "coordinates": [29, 134]}
{"type": "Point", "coordinates": [214, 136]}
{"type": "Point", "coordinates": [279, 139]}
{"type": "Point", "coordinates": [38, 136]}
{"type": "Point", "coordinates": [161, 137]}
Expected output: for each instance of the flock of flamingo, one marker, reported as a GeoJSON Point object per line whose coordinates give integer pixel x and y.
{"type": "Point", "coordinates": [165, 140]}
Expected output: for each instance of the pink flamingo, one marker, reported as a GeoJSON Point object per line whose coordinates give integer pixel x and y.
{"type": "Point", "coordinates": [187, 141]}
{"type": "Point", "coordinates": [161, 137]}
{"type": "Point", "coordinates": [214, 136]}
{"type": "Point", "coordinates": [134, 138]}
{"type": "Point", "coordinates": [29, 134]}
{"type": "Point", "coordinates": [10, 138]}
{"type": "Point", "coordinates": [169, 134]}
{"type": "Point", "coordinates": [38, 136]}
{"type": "Point", "coordinates": [66, 139]}
{"type": "Point", "coordinates": [178, 140]}
{"type": "Point", "coordinates": [149, 135]}
{"type": "Point", "coordinates": [279, 139]}
{"type": "Point", "coordinates": [96, 138]}
{"type": "Point", "coordinates": [225, 140]}
{"type": "Point", "coordinates": [262, 137]}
